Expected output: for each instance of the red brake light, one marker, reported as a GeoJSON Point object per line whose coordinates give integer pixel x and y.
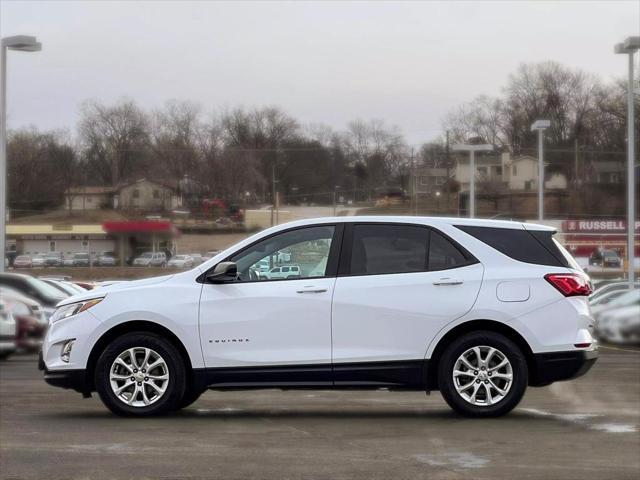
{"type": "Point", "coordinates": [570, 284]}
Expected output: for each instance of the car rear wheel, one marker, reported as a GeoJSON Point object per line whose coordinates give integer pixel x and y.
{"type": "Point", "coordinates": [140, 374]}
{"type": "Point", "coordinates": [482, 374]}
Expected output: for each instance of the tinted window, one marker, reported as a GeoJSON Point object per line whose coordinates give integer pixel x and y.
{"type": "Point", "coordinates": [522, 245]}
{"type": "Point", "coordinates": [378, 249]}
{"type": "Point", "coordinates": [443, 254]}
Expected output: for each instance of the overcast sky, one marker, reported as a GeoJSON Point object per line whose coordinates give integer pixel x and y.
{"type": "Point", "coordinates": [325, 62]}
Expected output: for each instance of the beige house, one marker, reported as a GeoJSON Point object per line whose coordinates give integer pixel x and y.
{"type": "Point", "coordinates": [89, 198]}
{"type": "Point", "coordinates": [142, 194]}
{"type": "Point", "coordinates": [518, 174]}
{"type": "Point", "coordinates": [146, 194]}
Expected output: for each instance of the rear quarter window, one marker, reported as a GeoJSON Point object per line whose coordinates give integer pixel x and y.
{"type": "Point", "coordinates": [537, 247]}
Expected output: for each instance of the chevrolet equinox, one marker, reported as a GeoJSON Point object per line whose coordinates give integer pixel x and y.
{"type": "Point", "coordinates": [477, 309]}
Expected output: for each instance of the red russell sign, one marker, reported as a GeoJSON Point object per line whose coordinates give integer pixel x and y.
{"type": "Point", "coordinates": [597, 226]}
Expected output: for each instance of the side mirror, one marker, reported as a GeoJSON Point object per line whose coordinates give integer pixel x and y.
{"type": "Point", "coordinates": [224, 272]}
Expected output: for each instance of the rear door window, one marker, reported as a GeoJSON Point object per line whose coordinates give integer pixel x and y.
{"type": "Point", "coordinates": [443, 254]}
{"type": "Point", "coordinates": [386, 249]}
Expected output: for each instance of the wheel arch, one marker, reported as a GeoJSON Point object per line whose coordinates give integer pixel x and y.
{"type": "Point", "coordinates": [128, 327]}
{"type": "Point", "coordinates": [431, 374]}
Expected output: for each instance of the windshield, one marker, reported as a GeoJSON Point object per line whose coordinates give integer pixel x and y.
{"type": "Point", "coordinates": [81, 255]}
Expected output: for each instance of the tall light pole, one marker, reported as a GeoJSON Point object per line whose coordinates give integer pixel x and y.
{"type": "Point", "coordinates": [629, 47]}
{"type": "Point", "coordinates": [472, 149]}
{"type": "Point", "coordinates": [540, 126]}
{"type": "Point", "coordinates": [21, 43]}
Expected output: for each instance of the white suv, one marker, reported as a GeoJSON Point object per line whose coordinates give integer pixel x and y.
{"type": "Point", "coordinates": [477, 309]}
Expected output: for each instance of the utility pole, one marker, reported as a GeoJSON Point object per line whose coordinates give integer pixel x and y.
{"type": "Point", "coordinates": [448, 165]}
{"type": "Point", "coordinates": [576, 162]}
{"type": "Point", "coordinates": [414, 183]}
{"type": "Point", "coordinates": [629, 47]}
{"type": "Point", "coordinates": [273, 192]}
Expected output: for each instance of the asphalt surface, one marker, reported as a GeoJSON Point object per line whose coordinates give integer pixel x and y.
{"type": "Point", "coordinates": [585, 429]}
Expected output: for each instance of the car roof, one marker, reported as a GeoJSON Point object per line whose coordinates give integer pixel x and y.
{"type": "Point", "coordinates": [454, 221]}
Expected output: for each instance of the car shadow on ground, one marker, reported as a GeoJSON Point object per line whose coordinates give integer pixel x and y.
{"type": "Point", "coordinates": [302, 413]}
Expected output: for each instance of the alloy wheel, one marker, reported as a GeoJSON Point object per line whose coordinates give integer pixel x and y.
{"type": "Point", "coordinates": [482, 375]}
{"type": "Point", "coordinates": [139, 377]}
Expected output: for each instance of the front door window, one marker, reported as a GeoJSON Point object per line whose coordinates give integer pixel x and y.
{"type": "Point", "coordinates": [307, 255]}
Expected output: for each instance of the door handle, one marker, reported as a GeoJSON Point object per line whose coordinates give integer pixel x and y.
{"type": "Point", "coordinates": [448, 281]}
{"type": "Point", "coordinates": [311, 289]}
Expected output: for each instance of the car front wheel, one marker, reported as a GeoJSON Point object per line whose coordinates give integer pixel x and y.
{"type": "Point", "coordinates": [483, 374]}
{"type": "Point", "coordinates": [140, 374]}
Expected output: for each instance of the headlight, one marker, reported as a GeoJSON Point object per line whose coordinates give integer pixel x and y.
{"type": "Point", "coordinates": [67, 311]}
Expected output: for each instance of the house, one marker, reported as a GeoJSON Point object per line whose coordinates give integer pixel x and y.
{"type": "Point", "coordinates": [146, 194]}
{"type": "Point", "coordinates": [517, 174]}
{"type": "Point", "coordinates": [142, 194]}
{"type": "Point", "coordinates": [488, 167]}
{"type": "Point", "coordinates": [431, 180]}
{"type": "Point", "coordinates": [521, 173]}
{"type": "Point", "coordinates": [89, 198]}
{"type": "Point", "coordinates": [609, 172]}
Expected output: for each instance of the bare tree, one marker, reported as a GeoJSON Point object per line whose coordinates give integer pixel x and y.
{"type": "Point", "coordinates": [114, 138]}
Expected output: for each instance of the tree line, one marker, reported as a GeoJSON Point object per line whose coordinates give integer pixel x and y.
{"type": "Point", "coordinates": [241, 154]}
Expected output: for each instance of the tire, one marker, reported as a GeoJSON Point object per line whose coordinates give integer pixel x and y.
{"type": "Point", "coordinates": [483, 390]}
{"type": "Point", "coordinates": [111, 375]}
{"type": "Point", "coordinates": [190, 396]}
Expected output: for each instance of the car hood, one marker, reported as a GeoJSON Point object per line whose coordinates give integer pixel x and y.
{"type": "Point", "coordinates": [102, 291]}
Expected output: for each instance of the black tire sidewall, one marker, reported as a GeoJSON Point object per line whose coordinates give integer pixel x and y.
{"type": "Point", "coordinates": [175, 364]}
{"type": "Point", "coordinates": [492, 339]}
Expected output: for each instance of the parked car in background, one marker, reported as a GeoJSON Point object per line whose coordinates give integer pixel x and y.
{"type": "Point", "coordinates": [38, 260]}
{"type": "Point", "coordinates": [34, 288]}
{"type": "Point", "coordinates": [22, 261]}
{"type": "Point", "coordinates": [107, 259]}
{"type": "Point", "coordinates": [181, 261]}
{"type": "Point", "coordinates": [197, 258]}
{"type": "Point", "coordinates": [602, 289]}
{"type": "Point", "coordinates": [31, 320]}
{"type": "Point", "coordinates": [81, 259]}
{"type": "Point", "coordinates": [7, 331]}
{"type": "Point", "coordinates": [151, 259]}
{"type": "Point", "coordinates": [210, 254]}
{"type": "Point", "coordinates": [85, 285]}
{"type": "Point", "coordinates": [605, 258]}
{"type": "Point", "coordinates": [64, 286]}
{"type": "Point", "coordinates": [285, 271]}
{"type": "Point", "coordinates": [476, 309]}
{"type": "Point", "coordinates": [67, 261]}
{"type": "Point", "coordinates": [619, 320]}
{"type": "Point", "coordinates": [53, 259]}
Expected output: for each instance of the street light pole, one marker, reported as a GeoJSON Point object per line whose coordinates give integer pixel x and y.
{"type": "Point", "coordinates": [540, 126]}
{"type": "Point", "coordinates": [472, 149]}
{"type": "Point", "coordinates": [22, 43]}
{"type": "Point", "coordinates": [629, 47]}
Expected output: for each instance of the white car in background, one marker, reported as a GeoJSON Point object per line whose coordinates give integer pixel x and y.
{"type": "Point", "coordinates": [7, 331]}
{"type": "Point", "coordinates": [38, 260]}
{"type": "Point", "coordinates": [476, 309]}
{"type": "Point", "coordinates": [181, 261]}
{"type": "Point", "coordinates": [151, 259]}
{"type": "Point", "coordinates": [284, 271]}
{"type": "Point", "coordinates": [197, 258]}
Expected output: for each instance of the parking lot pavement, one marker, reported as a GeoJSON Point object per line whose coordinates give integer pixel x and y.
{"type": "Point", "coordinates": [588, 428]}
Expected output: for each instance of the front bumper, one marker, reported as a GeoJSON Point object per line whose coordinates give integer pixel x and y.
{"type": "Point", "coordinates": [557, 366]}
{"type": "Point", "coordinates": [70, 379]}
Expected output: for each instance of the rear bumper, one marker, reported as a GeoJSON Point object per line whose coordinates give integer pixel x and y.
{"type": "Point", "coordinates": [558, 366]}
{"type": "Point", "coordinates": [69, 379]}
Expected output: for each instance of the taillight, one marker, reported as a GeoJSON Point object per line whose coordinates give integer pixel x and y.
{"type": "Point", "coordinates": [570, 284]}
